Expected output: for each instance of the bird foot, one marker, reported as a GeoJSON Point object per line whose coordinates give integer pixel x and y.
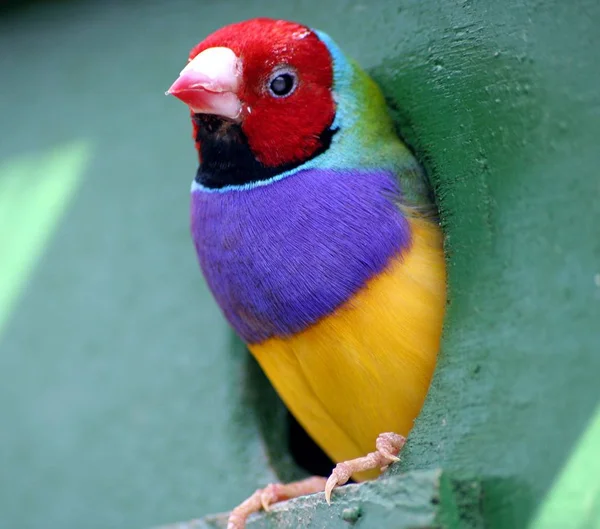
{"type": "Point", "coordinates": [273, 493]}
{"type": "Point", "coordinates": [388, 447]}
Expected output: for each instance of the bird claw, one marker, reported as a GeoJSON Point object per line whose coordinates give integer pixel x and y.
{"type": "Point", "coordinates": [267, 497]}
{"type": "Point", "coordinates": [390, 457]}
{"type": "Point", "coordinates": [272, 493]}
{"type": "Point", "coordinates": [388, 445]}
{"type": "Point", "coordinates": [339, 476]}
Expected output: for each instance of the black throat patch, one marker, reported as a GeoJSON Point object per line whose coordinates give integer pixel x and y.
{"type": "Point", "coordinates": [227, 159]}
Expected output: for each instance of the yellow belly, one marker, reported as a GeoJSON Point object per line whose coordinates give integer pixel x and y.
{"type": "Point", "coordinates": [366, 368]}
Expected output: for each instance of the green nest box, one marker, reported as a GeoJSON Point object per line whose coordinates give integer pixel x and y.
{"type": "Point", "coordinates": [125, 400]}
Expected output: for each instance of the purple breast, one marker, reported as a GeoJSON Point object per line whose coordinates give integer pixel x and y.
{"type": "Point", "coordinates": [281, 256]}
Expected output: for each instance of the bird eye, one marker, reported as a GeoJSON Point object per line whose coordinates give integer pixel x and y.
{"type": "Point", "coordinates": [282, 84]}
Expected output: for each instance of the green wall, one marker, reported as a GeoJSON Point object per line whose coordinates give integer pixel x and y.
{"type": "Point", "coordinates": [124, 399]}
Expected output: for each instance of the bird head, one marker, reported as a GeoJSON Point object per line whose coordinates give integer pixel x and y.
{"type": "Point", "coordinates": [261, 97]}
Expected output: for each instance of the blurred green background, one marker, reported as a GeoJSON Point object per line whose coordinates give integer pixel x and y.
{"type": "Point", "coordinates": [124, 399]}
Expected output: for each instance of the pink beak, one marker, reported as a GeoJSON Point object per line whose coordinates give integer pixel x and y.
{"type": "Point", "coordinates": [209, 83]}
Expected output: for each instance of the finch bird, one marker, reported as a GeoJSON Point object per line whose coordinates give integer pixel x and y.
{"type": "Point", "coordinates": [317, 234]}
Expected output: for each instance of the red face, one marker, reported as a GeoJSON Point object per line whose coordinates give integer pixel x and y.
{"type": "Point", "coordinates": [276, 84]}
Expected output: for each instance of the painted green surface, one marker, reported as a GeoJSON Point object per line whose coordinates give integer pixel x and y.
{"type": "Point", "coordinates": [30, 209]}
{"type": "Point", "coordinates": [416, 500]}
{"type": "Point", "coordinates": [124, 399]}
{"type": "Point", "coordinates": [574, 500]}
{"type": "Point", "coordinates": [501, 99]}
